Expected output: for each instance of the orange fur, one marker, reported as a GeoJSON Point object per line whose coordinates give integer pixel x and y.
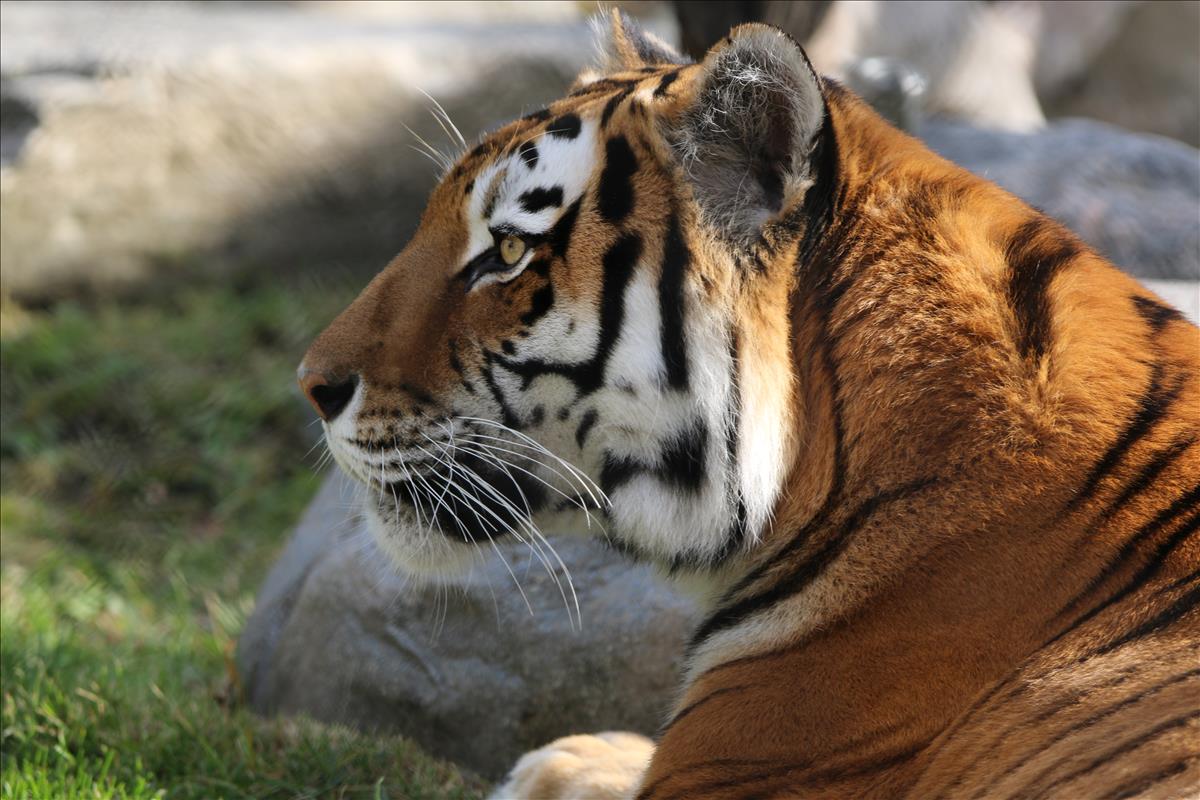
{"type": "Point", "coordinates": [981, 576]}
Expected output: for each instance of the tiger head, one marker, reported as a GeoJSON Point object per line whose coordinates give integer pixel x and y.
{"type": "Point", "coordinates": [592, 317]}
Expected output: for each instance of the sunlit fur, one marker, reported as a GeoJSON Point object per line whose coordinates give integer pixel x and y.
{"type": "Point", "coordinates": [931, 462]}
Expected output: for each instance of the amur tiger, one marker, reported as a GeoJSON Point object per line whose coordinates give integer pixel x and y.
{"type": "Point", "coordinates": [930, 463]}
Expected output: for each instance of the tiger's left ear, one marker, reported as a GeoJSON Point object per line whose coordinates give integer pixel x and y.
{"type": "Point", "coordinates": [746, 137]}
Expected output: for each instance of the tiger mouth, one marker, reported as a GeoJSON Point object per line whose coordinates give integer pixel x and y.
{"type": "Point", "coordinates": [467, 499]}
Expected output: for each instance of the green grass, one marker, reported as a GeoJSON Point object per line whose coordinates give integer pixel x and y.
{"type": "Point", "coordinates": [153, 456]}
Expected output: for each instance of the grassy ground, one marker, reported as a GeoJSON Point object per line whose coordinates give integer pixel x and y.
{"type": "Point", "coordinates": [153, 456]}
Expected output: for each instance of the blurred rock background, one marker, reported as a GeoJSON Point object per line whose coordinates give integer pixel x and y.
{"type": "Point", "coordinates": [189, 191]}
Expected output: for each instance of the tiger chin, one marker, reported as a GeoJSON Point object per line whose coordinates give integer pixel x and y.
{"type": "Point", "coordinates": [932, 461]}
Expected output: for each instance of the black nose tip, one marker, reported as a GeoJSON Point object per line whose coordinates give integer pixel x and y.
{"type": "Point", "coordinates": [328, 398]}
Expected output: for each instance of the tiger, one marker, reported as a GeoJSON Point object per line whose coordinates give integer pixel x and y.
{"type": "Point", "coordinates": [928, 463]}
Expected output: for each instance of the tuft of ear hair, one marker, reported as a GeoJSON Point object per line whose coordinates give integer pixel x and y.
{"type": "Point", "coordinates": [746, 141]}
{"type": "Point", "coordinates": [630, 47]}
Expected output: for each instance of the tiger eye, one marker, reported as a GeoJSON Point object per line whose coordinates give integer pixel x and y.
{"type": "Point", "coordinates": [511, 250]}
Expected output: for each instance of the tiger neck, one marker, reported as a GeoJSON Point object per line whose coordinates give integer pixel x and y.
{"type": "Point", "coordinates": [868, 491]}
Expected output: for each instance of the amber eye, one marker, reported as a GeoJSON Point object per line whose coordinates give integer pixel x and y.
{"type": "Point", "coordinates": [511, 250]}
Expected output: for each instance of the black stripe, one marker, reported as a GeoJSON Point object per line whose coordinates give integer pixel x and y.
{"type": "Point", "coordinates": [559, 237]}
{"type": "Point", "coordinates": [614, 196]}
{"type": "Point", "coordinates": [540, 199]}
{"type": "Point", "coordinates": [528, 153]}
{"type": "Point", "coordinates": [685, 456]}
{"type": "Point", "coordinates": [820, 199]}
{"type": "Point", "coordinates": [725, 616]}
{"type": "Point", "coordinates": [507, 415]}
{"type": "Point", "coordinates": [1162, 620]}
{"type": "Point", "coordinates": [1151, 409]}
{"type": "Point", "coordinates": [1156, 314]}
{"type": "Point", "coordinates": [867, 739]}
{"type": "Point", "coordinates": [1190, 577]}
{"type": "Point", "coordinates": [1035, 252]}
{"type": "Point", "coordinates": [801, 576]}
{"type": "Point", "coordinates": [618, 471]}
{"type": "Point", "coordinates": [673, 334]}
{"type": "Point", "coordinates": [611, 106]}
{"type": "Point", "coordinates": [541, 115]}
{"type": "Point", "coordinates": [604, 85]}
{"type": "Point", "coordinates": [786, 771]}
{"type": "Point", "coordinates": [1143, 783]}
{"type": "Point", "coordinates": [665, 83]}
{"type": "Point", "coordinates": [1065, 734]}
{"type": "Point", "coordinates": [565, 127]}
{"type": "Point", "coordinates": [1146, 476]}
{"type": "Point", "coordinates": [686, 710]}
{"type": "Point", "coordinates": [1129, 746]}
{"type": "Point", "coordinates": [420, 395]}
{"type": "Point", "coordinates": [455, 361]}
{"type": "Point", "coordinates": [539, 304]}
{"type": "Point", "coordinates": [1148, 570]}
{"type": "Point", "coordinates": [736, 534]}
{"type": "Point", "coordinates": [585, 426]}
{"type": "Point", "coordinates": [619, 262]}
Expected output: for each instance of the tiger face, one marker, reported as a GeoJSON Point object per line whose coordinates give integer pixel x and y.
{"type": "Point", "coordinates": [579, 325]}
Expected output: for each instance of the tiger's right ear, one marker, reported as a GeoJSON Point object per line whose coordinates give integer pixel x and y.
{"type": "Point", "coordinates": [746, 139]}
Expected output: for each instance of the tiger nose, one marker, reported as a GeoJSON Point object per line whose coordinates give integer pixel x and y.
{"type": "Point", "coordinates": [328, 395]}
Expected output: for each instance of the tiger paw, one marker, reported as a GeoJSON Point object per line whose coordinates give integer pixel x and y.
{"type": "Point", "coordinates": [606, 766]}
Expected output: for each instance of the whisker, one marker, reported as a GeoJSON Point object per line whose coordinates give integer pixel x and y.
{"type": "Point", "coordinates": [574, 499]}
{"type": "Point", "coordinates": [588, 482]}
{"type": "Point", "coordinates": [479, 505]}
{"type": "Point", "coordinates": [457, 133]}
{"type": "Point", "coordinates": [538, 537]}
{"type": "Point", "coordinates": [576, 476]}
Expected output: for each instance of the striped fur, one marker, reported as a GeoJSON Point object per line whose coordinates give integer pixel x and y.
{"type": "Point", "coordinates": [932, 463]}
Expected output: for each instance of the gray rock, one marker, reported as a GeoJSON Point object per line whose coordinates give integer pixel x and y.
{"type": "Point", "coordinates": [470, 673]}
{"type": "Point", "coordinates": [1134, 197]}
{"type": "Point", "coordinates": [143, 140]}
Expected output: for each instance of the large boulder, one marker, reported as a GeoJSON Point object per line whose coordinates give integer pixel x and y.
{"type": "Point", "coordinates": [479, 673]}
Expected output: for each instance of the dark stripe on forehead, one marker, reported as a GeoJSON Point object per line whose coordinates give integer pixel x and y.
{"type": "Point", "coordinates": [604, 85]}
{"type": "Point", "coordinates": [540, 199]}
{"type": "Point", "coordinates": [676, 258]}
{"type": "Point", "coordinates": [615, 194]}
{"type": "Point", "coordinates": [611, 106]}
{"type": "Point", "coordinates": [541, 115]}
{"type": "Point", "coordinates": [565, 127]}
{"type": "Point", "coordinates": [665, 83]}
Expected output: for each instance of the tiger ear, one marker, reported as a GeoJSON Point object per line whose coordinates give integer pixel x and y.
{"type": "Point", "coordinates": [746, 139]}
{"type": "Point", "coordinates": [631, 48]}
